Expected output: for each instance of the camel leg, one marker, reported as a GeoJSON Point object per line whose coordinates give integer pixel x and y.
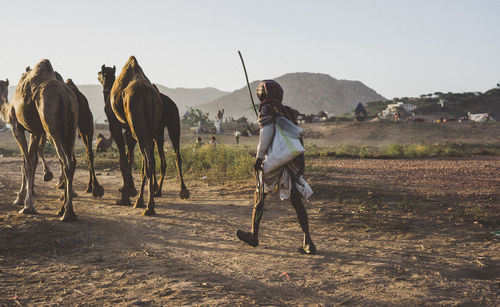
{"type": "Point", "coordinates": [21, 141]}
{"type": "Point", "coordinates": [131, 142]}
{"type": "Point", "coordinates": [63, 180]}
{"type": "Point", "coordinates": [147, 151]}
{"type": "Point", "coordinates": [68, 161]}
{"type": "Point", "coordinates": [60, 185]}
{"type": "Point", "coordinates": [30, 176]}
{"type": "Point", "coordinates": [184, 194]}
{"type": "Point", "coordinates": [89, 163]}
{"type": "Point", "coordinates": [139, 203]}
{"type": "Point", "coordinates": [163, 163]}
{"type": "Point", "coordinates": [93, 186]}
{"type": "Point", "coordinates": [30, 155]}
{"type": "Point", "coordinates": [174, 132]}
{"type": "Point", "coordinates": [47, 174]}
{"type": "Point", "coordinates": [150, 173]}
{"type": "Point", "coordinates": [21, 194]}
{"type": "Point", "coordinates": [117, 135]}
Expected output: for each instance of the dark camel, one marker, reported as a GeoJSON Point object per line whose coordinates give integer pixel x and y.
{"type": "Point", "coordinates": [169, 119]}
{"type": "Point", "coordinates": [121, 134]}
{"type": "Point", "coordinates": [86, 131]}
{"type": "Point", "coordinates": [103, 143]}
{"type": "Point", "coordinates": [45, 107]}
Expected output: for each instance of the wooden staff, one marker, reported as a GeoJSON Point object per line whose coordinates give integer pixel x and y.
{"type": "Point", "coordinates": [248, 84]}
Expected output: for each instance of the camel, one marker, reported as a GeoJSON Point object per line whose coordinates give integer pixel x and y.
{"type": "Point", "coordinates": [169, 119]}
{"type": "Point", "coordinates": [122, 136]}
{"type": "Point", "coordinates": [45, 107]}
{"type": "Point", "coordinates": [136, 103]}
{"type": "Point", "coordinates": [86, 131]}
{"type": "Point", "coordinates": [103, 143]}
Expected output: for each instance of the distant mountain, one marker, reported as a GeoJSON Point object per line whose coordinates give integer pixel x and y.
{"type": "Point", "coordinates": [191, 96]}
{"type": "Point", "coordinates": [182, 96]}
{"type": "Point", "coordinates": [306, 92]}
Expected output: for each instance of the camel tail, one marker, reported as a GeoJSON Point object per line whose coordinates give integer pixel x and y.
{"type": "Point", "coordinates": [69, 121]}
{"type": "Point", "coordinates": [172, 121]}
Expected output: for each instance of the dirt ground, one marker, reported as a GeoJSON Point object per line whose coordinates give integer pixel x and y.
{"type": "Point", "coordinates": [388, 232]}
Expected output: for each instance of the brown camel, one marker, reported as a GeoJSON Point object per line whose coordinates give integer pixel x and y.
{"type": "Point", "coordinates": [169, 119]}
{"type": "Point", "coordinates": [136, 103]}
{"type": "Point", "coordinates": [43, 106]}
{"type": "Point", "coordinates": [86, 131]}
{"type": "Point", "coordinates": [103, 143]}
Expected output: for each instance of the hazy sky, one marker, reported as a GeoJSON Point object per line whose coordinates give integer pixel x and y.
{"type": "Point", "coordinates": [399, 48]}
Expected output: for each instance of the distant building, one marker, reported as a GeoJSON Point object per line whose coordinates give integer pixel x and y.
{"type": "Point", "coordinates": [393, 109]}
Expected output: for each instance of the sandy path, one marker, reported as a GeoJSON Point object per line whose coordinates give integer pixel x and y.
{"type": "Point", "coordinates": [188, 254]}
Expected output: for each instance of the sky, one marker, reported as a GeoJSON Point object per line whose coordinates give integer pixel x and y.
{"type": "Point", "coordinates": [399, 48]}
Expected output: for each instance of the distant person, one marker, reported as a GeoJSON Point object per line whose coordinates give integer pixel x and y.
{"type": "Point", "coordinates": [213, 141]}
{"type": "Point", "coordinates": [237, 136]}
{"type": "Point", "coordinates": [198, 142]}
{"type": "Point", "coordinates": [286, 177]}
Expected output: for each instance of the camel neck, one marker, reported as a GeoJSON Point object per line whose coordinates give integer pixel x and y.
{"type": "Point", "coordinates": [106, 93]}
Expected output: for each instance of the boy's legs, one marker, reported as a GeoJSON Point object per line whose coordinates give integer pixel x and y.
{"type": "Point", "coordinates": [308, 246]}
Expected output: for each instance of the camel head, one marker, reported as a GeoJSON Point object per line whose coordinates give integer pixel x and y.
{"type": "Point", "coordinates": [107, 76]}
{"type": "Point", "coordinates": [4, 90]}
{"type": "Point", "coordinates": [4, 103]}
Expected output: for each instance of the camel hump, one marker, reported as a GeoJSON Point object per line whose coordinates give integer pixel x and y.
{"type": "Point", "coordinates": [70, 83]}
{"type": "Point", "coordinates": [58, 76]}
{"type": "Point", "coordinates": [132, 69]}
{"type": "Point", "coordinates": [132, 60]}
{"type": "Point", "coordinates": [43, 66]}
{"type": "Point", "coordinates": [41, 72]}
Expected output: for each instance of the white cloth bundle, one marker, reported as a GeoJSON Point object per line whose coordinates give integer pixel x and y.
{"type": "Point", "coordinates": [285, 146]}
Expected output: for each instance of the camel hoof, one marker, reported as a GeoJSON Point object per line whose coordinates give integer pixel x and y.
{"type": "Point", "coordinates": [149, 212]}
{"type": "Point", "coordinates": [123, 202]}
{"type": "Point", "coordinates": [139, 203]}
{"type": "Point", "coordinates": [130, 191]}
{"type": "Point", "coordinates": [98, 191]}
{"type": "Point", "coordinates": [47, 176]}
{"type": "Point", "coordinates": [158, 193]}
{"type": "Point", "coordinates": [18, 202]}
{"type": "Point", "coordinates": [68, 217]}
{"type": "Point", "coordinates": [184, 194]}
{"type": "Point", "coordinates": [30, 210]}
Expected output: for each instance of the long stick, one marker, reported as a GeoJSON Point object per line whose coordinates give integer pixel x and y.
{"type": "Point", "coordinates": [248, 84]}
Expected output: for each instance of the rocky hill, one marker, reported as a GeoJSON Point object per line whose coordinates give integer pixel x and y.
{"type": "Point", "coordinates": [182, 96]}
{"type": "Point", "coordinates": [306, 92]}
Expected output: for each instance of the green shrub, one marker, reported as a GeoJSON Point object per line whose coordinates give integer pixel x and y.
{"type": "Point", "coordinates": [393, 151]}
{"type": "Point", "coordinates": [220, 164]}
